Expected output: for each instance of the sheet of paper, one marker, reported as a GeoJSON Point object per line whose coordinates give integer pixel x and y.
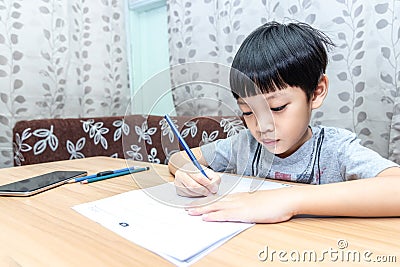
{"type": "Point", "coordinates": [155, 219]}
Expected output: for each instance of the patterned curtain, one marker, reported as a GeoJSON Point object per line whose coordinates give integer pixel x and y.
{"type": "Point", "coordinates": [60, 58]}
{"type": "Point", "coordinates": [364, 68]}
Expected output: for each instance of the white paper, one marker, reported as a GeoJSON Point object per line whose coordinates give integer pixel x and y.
{"type": "Point", "coordinates": [155, 219]}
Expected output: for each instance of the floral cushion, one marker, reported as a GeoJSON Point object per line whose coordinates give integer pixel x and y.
{"type": "Point", "coordinates": [138, 137]}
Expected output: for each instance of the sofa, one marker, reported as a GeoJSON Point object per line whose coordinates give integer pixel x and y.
{"type": "Point", "coordinates": [138, 137]}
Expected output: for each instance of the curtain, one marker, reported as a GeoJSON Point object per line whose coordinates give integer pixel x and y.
{"type": "Point", "coordinates": [364, 68]}
{"type": "Point", "coordinates": [60, 58]}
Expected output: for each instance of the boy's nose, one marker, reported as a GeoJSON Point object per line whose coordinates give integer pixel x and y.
{"type": "Point", "coordinates": [265, 124]}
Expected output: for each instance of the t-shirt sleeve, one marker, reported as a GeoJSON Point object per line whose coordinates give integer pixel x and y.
{"type": "Point", "coordinates": [357, 161]}
{"type": "Point", "coordinates": [220, 154]}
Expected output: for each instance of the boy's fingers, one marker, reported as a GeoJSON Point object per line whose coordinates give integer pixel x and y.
{"type": "Point", "coordinates": [212, 204]}
{"type": "Point", "coordinates": [213, 181]}
{"type": "Point", "coordinates": [185, 192]}
{"type": "Point", "coordinates": [207, 183]}
{"type": "Point", "coordinates": [179, 187]}
{"type": "Point", "coordinates": [217, 212]}
{"type": "Point", "coordinates": [186, 185]}
{"type": "Point", "coordinates": [200, 207]}
{"type": "Point", "coordinates": [218, 216]}
{"type": "Point", "coordinates": [182, 190]}
{"type": "Point", "coordinates": [190, 182]}
{"type": "Point", "coordinates": [194, 187]}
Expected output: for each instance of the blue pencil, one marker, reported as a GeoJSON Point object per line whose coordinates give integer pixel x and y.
{"type": "Point", "coordinates": [80, 179]}
{"type": "Point", "coordinates": [112, 175]}
{"type": "Point", "coordinates": [184, 145]}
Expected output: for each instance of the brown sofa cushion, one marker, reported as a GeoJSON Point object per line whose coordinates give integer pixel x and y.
{"type": "Point", "coordinates": [143, 138]}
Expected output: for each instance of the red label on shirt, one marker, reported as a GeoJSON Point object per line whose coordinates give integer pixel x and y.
{"type": "Point", "coordinates": [283, 176]}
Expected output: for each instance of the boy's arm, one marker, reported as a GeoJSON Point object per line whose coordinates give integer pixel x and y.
{"type": "Point", "coordinates": [189, 181]}
{"type": "Point", "coordinates": [179, 159]}
{"type": "Point", "coordinates": [372, 197]}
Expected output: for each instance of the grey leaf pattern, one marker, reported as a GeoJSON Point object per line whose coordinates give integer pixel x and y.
{"type": "Point", "coordinates": [389, 24]}
{"type": "Point", "coordinates": [270, 8]}
{"type": "Point", "coordinates": [81, 36]}
{"type": "Point", "coordinates": [49, 51]}
{"type": "Point", "coordinates": [183, 27]}
{"type": "Point", "coordinates": [10, 62]}
{"type": "Point", "coordinates": [351, 55]}
{"type": "Point", "coordinates": [54, 75]}
{"type": "Point", "coordinates": [114, 49]}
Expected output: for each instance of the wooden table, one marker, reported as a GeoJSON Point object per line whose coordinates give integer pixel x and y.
{"type": "Point", "coordinates": [43, 230]}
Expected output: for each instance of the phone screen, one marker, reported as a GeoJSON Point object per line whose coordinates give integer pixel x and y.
{"type": "Point", "coordinates": [39, 183]}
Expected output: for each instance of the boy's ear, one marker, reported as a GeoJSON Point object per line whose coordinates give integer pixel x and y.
{"type": "Point", "coordinates": [320, 92]}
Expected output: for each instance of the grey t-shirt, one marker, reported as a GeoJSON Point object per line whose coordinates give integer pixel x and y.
{"type": "Point", "coordinates": [331, 155]}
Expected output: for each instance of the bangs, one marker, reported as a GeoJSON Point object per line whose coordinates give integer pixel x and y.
{"type": "Point", "coordinates": [255, 83]}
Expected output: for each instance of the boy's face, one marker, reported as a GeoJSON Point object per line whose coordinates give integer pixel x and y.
{"type": "Point", "coordinates": [279, 120]}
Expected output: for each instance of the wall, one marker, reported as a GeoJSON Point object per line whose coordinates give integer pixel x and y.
{"type": "Point", "coordinates": [149, 57]}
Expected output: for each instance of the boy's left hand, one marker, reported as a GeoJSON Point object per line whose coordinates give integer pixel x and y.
{"type": "Point", "coordinates": [267, 206]}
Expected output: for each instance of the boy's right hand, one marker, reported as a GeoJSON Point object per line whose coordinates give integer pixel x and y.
{"type": "Point", "coordinates": [190, 182]}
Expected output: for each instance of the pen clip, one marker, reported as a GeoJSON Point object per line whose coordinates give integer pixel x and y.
{"type": "Point", "coordinates": [99, 174]}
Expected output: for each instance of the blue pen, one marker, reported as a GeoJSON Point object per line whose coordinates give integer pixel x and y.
{"type": "Point", "coordinates": [184, 145]}
{"type": "Point", "coordinates": [99, 174]}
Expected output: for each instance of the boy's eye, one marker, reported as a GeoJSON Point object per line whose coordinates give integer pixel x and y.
{"type": "Point", "coordinates": [247, 113]}
{"type": "Point", "coordinates": [279, 108]}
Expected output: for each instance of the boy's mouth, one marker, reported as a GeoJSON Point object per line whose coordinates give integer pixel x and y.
{"type": "Point", "coordinates": [269, 142]}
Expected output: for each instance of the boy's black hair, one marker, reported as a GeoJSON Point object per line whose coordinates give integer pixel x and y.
{"type": "Point", "coordinates": [276, 55]}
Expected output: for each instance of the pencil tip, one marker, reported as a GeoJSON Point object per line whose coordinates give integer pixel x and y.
{"type": "Point", "coordinates": [71, 181]}
{"type": "Point", "coordinates": [84, 182]}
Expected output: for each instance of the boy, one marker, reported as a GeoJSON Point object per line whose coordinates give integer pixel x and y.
{"type": "Point", "coordinates": [287, 65]}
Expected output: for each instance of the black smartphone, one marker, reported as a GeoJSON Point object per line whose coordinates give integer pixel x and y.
{"type": "Point", "coordinates": [39, 183]}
